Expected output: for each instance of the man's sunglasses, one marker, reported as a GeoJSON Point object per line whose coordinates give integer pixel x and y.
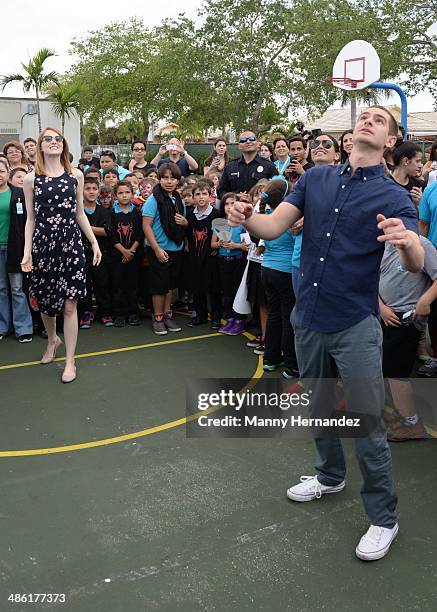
{"type": "Point", "coordinates": [326, 144]}
{"type": "Point", "coordinates": [50, 138]}
{"type": "Point", "coordinates": [248, 139]}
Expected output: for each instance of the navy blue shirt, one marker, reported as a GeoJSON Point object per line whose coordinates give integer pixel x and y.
{"type": "Point", "coordinates": [341, 256]}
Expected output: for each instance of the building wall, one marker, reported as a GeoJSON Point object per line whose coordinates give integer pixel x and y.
{"type": "Point", "coordinates": [17, 124]}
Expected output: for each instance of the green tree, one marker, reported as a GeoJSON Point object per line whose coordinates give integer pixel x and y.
{"type": "Point", "coordinates": [65, 100]}
{"type": "Point", "coordinates": [115, 67]}
{"type": "Point", "coordinates": [33, 76]}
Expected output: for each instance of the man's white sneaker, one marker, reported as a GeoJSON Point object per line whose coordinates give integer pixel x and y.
{"type": "Point", "coordinates": [310, 488]}
{"type": "Point", "coordinates": [375, 544]}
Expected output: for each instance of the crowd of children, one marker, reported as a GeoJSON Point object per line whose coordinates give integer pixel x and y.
{"type": "Point", "coordinates": [157, 232]}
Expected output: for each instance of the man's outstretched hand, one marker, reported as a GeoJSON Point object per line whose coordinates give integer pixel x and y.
{"type": "Point", "coordinates": [240, 212]}
{"type": "Point", "coordinates": [395, 232]}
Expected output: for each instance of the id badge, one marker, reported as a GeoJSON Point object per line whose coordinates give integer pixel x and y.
{"type": "Point", "coordinates": [19, 208]}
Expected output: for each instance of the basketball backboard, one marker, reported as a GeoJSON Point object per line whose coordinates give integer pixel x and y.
{"type": "Point", "coordinates": [356, 67]}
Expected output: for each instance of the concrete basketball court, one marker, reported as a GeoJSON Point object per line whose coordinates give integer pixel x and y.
{"type": "Point", "coordinates": [104, 498]}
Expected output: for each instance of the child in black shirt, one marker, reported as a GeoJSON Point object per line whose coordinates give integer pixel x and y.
{"type": "Point", "coordinates": [97, 277]}
{"type": "Point", "coordinates": [127, 236]}
{"type": "Point", "coordinates": [203, 260]}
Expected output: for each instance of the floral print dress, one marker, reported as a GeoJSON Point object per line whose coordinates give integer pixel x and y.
{"type": "Point", "coordinates": [58, 258]}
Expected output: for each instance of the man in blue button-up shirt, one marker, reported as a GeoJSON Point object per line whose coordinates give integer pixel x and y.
{"type": "Point", "coordinates": [350, 212]}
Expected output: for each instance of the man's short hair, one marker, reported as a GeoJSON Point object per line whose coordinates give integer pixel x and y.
{"type": "Point", "coordinates": [91, 169]}
{"type": "Point", "coordinates": [203, 185]}
{"type": "Point", "coordinates": [297, 139]}
{"type": "Point", "coordinates": [30, 140]}
{"type": "Point", "coordinates": [248, 130]}
{"type": "Point", "coordinates": [110, 171]}
{"type": "Point", "coordinates": [87, 148]}
{"type": "Point", "coordinates": [108, 153]}
{"type": "Point", "coordinates": [90, 180]}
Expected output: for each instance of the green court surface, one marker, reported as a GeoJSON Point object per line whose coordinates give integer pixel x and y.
{"type": "Point", "coordinates": [156, 521]}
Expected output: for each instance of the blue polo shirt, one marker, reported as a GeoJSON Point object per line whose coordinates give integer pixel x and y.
{"type": "Point", "coordinates": [428, 211]}
{"type": "Point", "coordinates": [341, 256]}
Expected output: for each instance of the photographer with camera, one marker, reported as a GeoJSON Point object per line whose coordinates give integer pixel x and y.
{"type": "Point", "coordinates": [298, 159]}
{"type": "Point", "coordinates": [175, 150]}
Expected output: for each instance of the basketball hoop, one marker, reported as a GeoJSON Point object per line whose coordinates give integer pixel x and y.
{"type": "Point", "coordinates": [342, 81]}
{"type": "Point", "coordinates": [356, 67]}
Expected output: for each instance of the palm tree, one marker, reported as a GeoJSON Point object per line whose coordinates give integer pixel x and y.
{"type": "Point", "coordinates": [33, 76]}
{"type": "Point", "coordinates": [65, 98]}
{"type": "Point", "coordinates": [367, 96]}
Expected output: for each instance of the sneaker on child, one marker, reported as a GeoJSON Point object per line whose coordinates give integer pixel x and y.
{"type": "Point", "coordinates": [271, 367]}
{"type": "Point", "coordinates": [86, 320]}
{"type": "Point", "coordinates": [255, 342]}
{"type": "Point", "coordinates": [227, 326]}
{"type": "Point", "coordinates": [428, 369]}
{"type": "Point", "coordinates": [407, 431]}
{"type": "Point", "coordinates": [236, 329]}
{"type": "Point", "coordinates": [170, 324]}
{"type": "Point", "coordinates": [260, 349]}
{"type": "Point", "coordinates": [158, 326]}
{"type": "Point", "coordinates": [107, 321]}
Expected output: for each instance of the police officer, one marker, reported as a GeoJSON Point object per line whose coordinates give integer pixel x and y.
{"type": "Point", "coordinates": [242, 174]}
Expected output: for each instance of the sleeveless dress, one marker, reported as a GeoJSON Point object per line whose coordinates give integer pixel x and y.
{"type": "Point", "coordinates": [57, 252]}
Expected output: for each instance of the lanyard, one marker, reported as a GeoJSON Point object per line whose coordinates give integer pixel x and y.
{"type": "Point", "coordinates": [284, 165]}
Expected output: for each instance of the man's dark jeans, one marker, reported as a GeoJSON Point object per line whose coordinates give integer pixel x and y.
{"type": "Point", "coordinates": [354, 354]}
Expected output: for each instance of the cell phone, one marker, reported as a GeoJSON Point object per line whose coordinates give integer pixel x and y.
{"type": "Point", "coordinates": [408, 317]}
{"type": "Point", "coordinates": [170, 147]}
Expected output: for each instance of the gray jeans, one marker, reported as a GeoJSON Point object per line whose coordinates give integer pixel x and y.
{"type": "Point", "coordinates": [354, 354]}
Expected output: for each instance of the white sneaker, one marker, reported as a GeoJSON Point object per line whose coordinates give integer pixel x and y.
{"type": "Point", "coordinates": [375, 544]}
{"type": "Point", "coordinates": [310, 488]}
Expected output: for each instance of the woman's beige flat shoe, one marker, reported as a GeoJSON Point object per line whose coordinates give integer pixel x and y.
{"type": "Point", "coordinates": [46, 360]}
{"type": "Point", "coordinates": [68, 378]}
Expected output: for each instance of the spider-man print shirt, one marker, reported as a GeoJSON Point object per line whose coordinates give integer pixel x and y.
{"type": "Point", "coordinates": [127, 227]}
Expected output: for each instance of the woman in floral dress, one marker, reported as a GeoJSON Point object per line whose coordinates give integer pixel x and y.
{"type": "Point", "coordinates": [53, 249]}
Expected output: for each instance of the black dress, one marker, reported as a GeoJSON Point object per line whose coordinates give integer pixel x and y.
{"type": "Point", "coordinates": [57, 252]}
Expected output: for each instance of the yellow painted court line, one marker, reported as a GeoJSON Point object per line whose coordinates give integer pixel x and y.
{"type": "Point", "coordinates": [137, 434]}
{"type": "Point", "coordinates": [123, 349]}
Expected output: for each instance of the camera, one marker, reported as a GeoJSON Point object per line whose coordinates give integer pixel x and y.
{"type": "Point", "coordinates": [170, 147]}
{"type": "Point", "coordinates": [311, 134]}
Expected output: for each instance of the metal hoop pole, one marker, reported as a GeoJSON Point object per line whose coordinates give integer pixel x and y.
{"type": "Point", "coordinates": [403, 97]}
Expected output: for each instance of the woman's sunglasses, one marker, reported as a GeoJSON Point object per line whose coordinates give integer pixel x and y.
{"type": "Point", "coordinates": [326, 144]}
{"type": "Point", "coordinates": [50, 138]}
